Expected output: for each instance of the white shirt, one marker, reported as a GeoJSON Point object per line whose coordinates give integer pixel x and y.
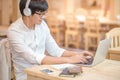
{"type": "Point", "coordinates": [28, 46]}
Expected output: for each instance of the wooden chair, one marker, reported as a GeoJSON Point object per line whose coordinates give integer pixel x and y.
{"type": "Point", "coordinates": [72, 32]}
{"type": "Point", "coordinates": [6, 68]}
{"type": "Point", "coordinates": [53, 24]}
{"type": "Point", "coordinates": [57, 27]}
{"type": "Point", "coordinates": [114, 51]}
{"type": "Point", "coordinates": [115, 35]}
{"type": "Point", "coordinates": [92, 35]}
{"type": "Point", "coordinates": [72, 39]}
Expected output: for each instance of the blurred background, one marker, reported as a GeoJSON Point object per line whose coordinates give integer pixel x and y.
{"type": "Point", "coordinates": [74, 24]}
{"type": "Point", "coordinates": [78, 24]}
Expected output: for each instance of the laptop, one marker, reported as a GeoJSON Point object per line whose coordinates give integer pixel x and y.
{"type": "Point", "coordinates": [100, 54]}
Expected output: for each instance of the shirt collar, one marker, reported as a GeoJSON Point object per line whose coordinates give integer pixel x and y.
{"type": "Point", "coordinates": [24, 26]}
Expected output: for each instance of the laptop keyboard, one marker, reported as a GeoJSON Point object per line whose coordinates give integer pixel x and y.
{"type": "Point", "coordinates": [90, 60]}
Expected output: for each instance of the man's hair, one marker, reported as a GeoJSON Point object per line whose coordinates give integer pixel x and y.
{"type": "Point", "coordinates": [34, 5]}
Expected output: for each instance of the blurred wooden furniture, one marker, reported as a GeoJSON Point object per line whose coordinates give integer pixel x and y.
{"type": "Point", "coordinates": [72, 39]}
{"type": "Point", "coordinates": [92, 35]}
{"type": "Point", "coordinates": [72, 32]}
{"type": "Point", "coordinates": [114, 54]}
{"type": "Point", "coordinates": [11, 8]}
{"type": "Point", "coordinates": [6, 63]}
{"type": "Point", "coordinates": [53, 25]}
{"type": "Point", "coordinates": [3, 31]}
{"type": "Point", "coordinates": [62, 30]}
{"type": "Point", "coordinates": [114, 51]}
{"type": "Point", "coordinates": [57, 27]}
{"type": "Point", "coordinates": [106, 70]}
{"type": "Point", "coordinates": [3, 35]}
{"type": "Point", "coordinates": [82, 32]}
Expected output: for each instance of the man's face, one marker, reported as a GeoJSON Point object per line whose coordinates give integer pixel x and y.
{"type": "Point", "coordinates": [38, 17]}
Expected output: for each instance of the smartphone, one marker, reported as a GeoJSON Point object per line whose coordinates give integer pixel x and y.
{"type": "Point", "coordinates": [48, 71]}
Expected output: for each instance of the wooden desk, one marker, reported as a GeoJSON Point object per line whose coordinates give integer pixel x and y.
{"type": "Point", "coordinates": [107, 70]}
{"type": "Point", "coordinates": [114, 53]}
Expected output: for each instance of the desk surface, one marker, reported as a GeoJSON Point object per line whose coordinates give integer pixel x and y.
{"type": "Point", "coordinates": [107, 70]}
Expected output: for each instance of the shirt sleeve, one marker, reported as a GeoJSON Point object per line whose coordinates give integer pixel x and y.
{"type": "Point", "coordinates": [51, 45]}
{"type": "Point", "coordinates": [17, 43]}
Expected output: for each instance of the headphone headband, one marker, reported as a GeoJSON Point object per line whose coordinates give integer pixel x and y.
{"type": "Point", "coordinates": [27, 4]}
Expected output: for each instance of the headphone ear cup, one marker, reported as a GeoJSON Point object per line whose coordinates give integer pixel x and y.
{"type": "Point", "coordinates": [27, 12]}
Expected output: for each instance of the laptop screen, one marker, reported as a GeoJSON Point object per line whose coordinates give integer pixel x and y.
{"type": "Point", "coordinates": [100, 53]}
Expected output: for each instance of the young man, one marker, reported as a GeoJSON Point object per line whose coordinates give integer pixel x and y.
{"type": "Point", "coordinates": [29, 37]}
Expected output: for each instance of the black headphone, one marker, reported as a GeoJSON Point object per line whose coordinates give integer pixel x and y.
{"type": "Point", "coordinates": [27, 10]}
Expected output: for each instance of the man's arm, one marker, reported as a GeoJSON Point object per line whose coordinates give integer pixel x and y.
{"type": "Point", "coordinates": [61, 60]}
{"type": "Point", "coordinates": [73, 53]}
{"type": "Point", "coordinates": [69, 53]}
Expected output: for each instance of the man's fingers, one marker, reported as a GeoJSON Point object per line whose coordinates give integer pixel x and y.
{"type": "Point", "coordinates": [86, 53]}
{"type": "Point", "coordinates": [83, 60]}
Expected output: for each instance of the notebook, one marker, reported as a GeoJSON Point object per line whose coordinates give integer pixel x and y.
{"type": "Point", "coordinates": [100, 54]}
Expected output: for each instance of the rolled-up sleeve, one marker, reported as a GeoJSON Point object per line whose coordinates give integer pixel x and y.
{"type": "Point", "coordinates": [21, 49]}
{"type": "Point", "coordinates": [52, 47]}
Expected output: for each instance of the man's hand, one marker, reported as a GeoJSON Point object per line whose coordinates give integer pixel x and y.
{"type": "Point", "coordinates": [87, 53]}
{"type": "Point", "coordinates": [77, 59]}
